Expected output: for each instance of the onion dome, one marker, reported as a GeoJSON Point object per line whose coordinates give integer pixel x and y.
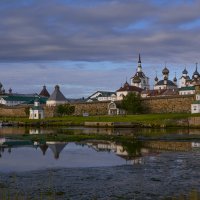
{"type": "Point", "coordinates": [175, 79]}
{"type": "Point", "coordinates": [156, 79]}
{"type": "Point", "coordinates": [126, 84]}
{"type": "Point", "coordinates": [10, 91]}
{"type": "Point", "coordinates": [196, 73]}
{"type": "Point", "coordinates": [185, 71]}
{"type": "Point", "coordinates": [165, 71]}
{"type": "Point", "coordinates": [136, 79]}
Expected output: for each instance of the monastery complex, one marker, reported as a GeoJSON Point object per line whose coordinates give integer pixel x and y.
{"type": "Point", "coordinates": [139, 84]}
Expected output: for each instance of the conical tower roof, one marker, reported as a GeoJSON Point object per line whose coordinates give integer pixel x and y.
{"type": "Point", "coordinates": [57, 95]}
{"type": "Point", "coordinates": [56, 148]}
{"type": "Point", "coordinates": [44, 92]}
{"type": "Point", "coordinates": [44, 148]}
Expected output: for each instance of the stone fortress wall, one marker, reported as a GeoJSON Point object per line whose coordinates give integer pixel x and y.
{"type": "Point", "coordinates": [92, 108]}
{"type": "Point", "coordinates": [170, 104]}
{"type": "Point", "coordinates": [6, 111]}
{"type": "Point", "coordinates": [21, 111]}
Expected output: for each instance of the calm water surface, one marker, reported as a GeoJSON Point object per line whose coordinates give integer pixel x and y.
{"type": "Point", "coordinates": [157, 164]}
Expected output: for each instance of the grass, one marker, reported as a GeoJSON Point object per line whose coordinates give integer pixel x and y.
{"type": "Point", "coordinates": [79, 120]}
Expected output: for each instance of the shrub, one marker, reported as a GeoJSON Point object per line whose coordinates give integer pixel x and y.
{"type": "Point", "coordinates": [132, 103]}
{"type": "Point", "coordinates": [65, 109]}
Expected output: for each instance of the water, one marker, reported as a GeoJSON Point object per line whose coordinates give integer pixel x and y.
{"type": "Point", "coordinates": [72, 156]}
{"type": "Point", "coordinates": [155, 164]}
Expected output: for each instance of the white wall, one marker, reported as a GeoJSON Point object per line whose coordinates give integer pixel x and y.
{"type": "Point", "coordinates": [10, 103]}
{"type": "Point", "coordinates": [186, 92]}
{"type": "Point", "coordinates": [36, 114]}
{"type": "Point", "coordinates": [195, 108]}
{"type": "Point", "coordinates": [55, 103]}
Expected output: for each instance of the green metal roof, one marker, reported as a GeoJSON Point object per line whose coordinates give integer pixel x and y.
{"type": "Point", "coordinates": [17, 98]}
{"type": "Point", "coordinates": [196, 102]}
{"type": "Point", "coordinates": [18, 143]}
{"type": "Point", "coordinates": [25, 99]}
{"type": "Point", "coordinates": [37, 108]}
{"type": "Point", "coordinates": [187, 88]}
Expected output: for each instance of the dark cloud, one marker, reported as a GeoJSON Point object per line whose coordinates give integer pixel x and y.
{"type": "Point", "coordinates": [62, 30]}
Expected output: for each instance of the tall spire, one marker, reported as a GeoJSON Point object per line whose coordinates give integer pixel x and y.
{"type": "Point", "coordinates": [139, 61]}
{"type": "Point", "coordinates": [139, 68]}
{"type": "Point", "coordinates": [156, 78]}
{"type": "Point", "coordinates": [196, 73]}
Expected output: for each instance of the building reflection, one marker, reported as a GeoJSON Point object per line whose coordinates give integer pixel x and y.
{"type": "Point", "coordinates": [131, 151]}
{"type": "Point", "coordinates": [43, 148]}
{"type": "Point", "coordinates": [121, 150]}
{"type": "Point", "coordinates": [55, 147]}
{"type": "Point", "coordinates": [36, 131]}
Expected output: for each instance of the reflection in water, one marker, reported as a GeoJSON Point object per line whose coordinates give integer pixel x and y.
{"type": "Point", "coordinates": [43, 148]}
{"type": "Point", "coordinates": [56, 147]}
{"type": "Point", "coordinates": [109, 131]}
{"type": "Point", "coordinates": [134, 169]}
{"type": "Point", "coordinates": [131, 151]}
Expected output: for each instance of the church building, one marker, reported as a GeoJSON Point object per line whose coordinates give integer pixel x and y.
{"type": "Point", "coordinates": [165, 83]}
{"type": "Point", "coordinates": [126, 89]}
{"type": "Point", "coordinates": [36, 112]}
{"type": "Point", "coordinates": [140, 79]}
{"type": "Point", "coordinates": [184, 79]}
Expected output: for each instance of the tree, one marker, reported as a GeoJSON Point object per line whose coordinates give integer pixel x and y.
{"type": "Point", "coordinates": [132, 103]}
{"type": "Point", "coordinates": [65, 109]}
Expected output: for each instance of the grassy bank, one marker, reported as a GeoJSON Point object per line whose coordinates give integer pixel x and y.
{"type": "Point", "coordinates": [165, 120]}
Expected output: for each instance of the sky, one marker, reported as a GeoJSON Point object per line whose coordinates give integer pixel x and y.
{"type": "Point", "coordinates": [90, 45]}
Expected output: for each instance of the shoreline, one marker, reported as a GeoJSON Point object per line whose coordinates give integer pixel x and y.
{"type": "Point", "coordinates": [176, 120]}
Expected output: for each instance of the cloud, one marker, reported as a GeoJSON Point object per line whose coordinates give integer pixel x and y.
{"type": "Point", "coordinates": [60, 30]}
{"type": "Point", "coordinates": [48, 42]}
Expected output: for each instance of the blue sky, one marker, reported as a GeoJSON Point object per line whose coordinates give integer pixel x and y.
{"type": "Point", "coordinates": [90, 45]}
